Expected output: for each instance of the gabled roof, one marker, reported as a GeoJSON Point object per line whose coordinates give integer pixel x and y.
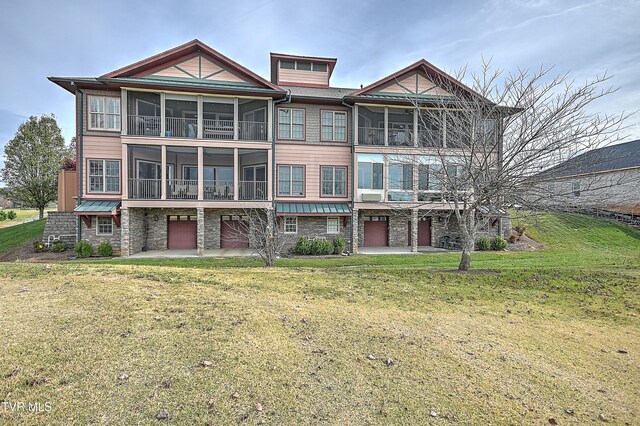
{"type": "Point", "coordinates": [609, 158]}
{"type": "Point", "coordinates": [186, 51]}
{"type": "Point", "coordinates": [421, 67]}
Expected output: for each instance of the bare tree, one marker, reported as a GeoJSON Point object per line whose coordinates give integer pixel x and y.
{"type": "Point", "coordinates": [478, 149]}
{"type": "Point", "coordinates": [258, 227]}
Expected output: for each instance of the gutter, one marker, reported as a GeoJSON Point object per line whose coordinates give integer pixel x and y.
{"type": "Point", "coordinates": [79, 161]}
{"type": "Point", "coordinates": [353, 159]}
{"type": "Point", "coordinates": [287, 99]}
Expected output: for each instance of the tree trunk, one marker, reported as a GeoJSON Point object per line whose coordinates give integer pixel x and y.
{"type": "Point", "coordinates": [465, 259]}
{"type": "Point", "coordinates": [40, 212]}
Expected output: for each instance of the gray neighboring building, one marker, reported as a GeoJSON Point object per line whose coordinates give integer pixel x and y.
{"type": "Point", "coordinates": [606, 178]}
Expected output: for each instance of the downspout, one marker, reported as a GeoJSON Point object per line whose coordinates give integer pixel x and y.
{"type": "Point", "coordinates": [79, 161]}
{"type": "Point", "coordinates": [353, 156]}
{"type": "Point", "coordinates": [286, 99]}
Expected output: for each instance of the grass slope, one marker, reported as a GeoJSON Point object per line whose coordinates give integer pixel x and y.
{"type": "Point", "coordinates": [518, 346]}
{"type": "Point", "coordinates": [15, 236]}
{"type": "Point", "coordinates": [21, 216]}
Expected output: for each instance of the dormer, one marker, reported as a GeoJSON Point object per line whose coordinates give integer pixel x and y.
{"type": "Point", "coordinates": [307, 71]}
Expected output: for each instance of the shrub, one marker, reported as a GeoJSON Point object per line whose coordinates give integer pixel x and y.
{"type": "Point", "coordinates": [39, 247]}
{"type": "Point", "coordinates": [498, 243]}
{"type": "Point", "coordinates": [3, 215]}
{"type": "Point", "coordinates": [321, 247]}
{"type": "Point", "coordinates": [58, 246]}
{"type": "Point", "coordinates": [303, 246]}
{"type": "Point", "coordinates": [339, 245]}
{"type": "Point", "coordinates": [105, 249]}
{"type": "Point", "coordinates": [483, 243]}
{"type": "Point", "coordinates": [11, 215]}
{"type": "Point", "coordinates": [83, 249]}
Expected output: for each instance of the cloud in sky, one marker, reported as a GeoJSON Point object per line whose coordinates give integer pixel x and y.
{"type": "Point", "coordinates": [371, 39]}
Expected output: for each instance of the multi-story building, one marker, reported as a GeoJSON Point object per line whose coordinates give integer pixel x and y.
{"type": "Point", "coordinates": [173, 151]}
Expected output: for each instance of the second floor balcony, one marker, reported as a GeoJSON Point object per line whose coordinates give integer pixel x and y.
{"type": "Point", "coordinates": [196, 117]}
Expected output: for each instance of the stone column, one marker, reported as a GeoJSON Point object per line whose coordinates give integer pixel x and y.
{"type": "Point", "coordinates": [414, 230]}
{"type": "Point", "coordinates": [124, 232]}
{"type": "Point", "coordinates": [354, 231]}
{"type": "Point", "coordinates": [200, 225]}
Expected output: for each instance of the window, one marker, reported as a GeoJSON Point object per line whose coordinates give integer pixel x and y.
{"type": "Point", "coordinates": [287, 65]}
{"type": "Point", "coordinates": [370, 175]}
{"type": "Point", "coordinates": [334, 181]}
{"type": "Point", "coordinates": [575, 188]}
{"type": "Point", "coordinates": [291, 225]}
{"type": "Point", "coordinates": [319, 67]}
{"type": "Point", "coordinates": [104, 225]}
{"type": "Point", "coordinates": [291, 180]}
{"type": "Point", "coordinates": [334, 126]}
{"type": "Point", "coordinates": [104, 176]}
{"type": "Point", "coordinates": [104, 113]}
{"type": "Point", "coordinates": [304, 66]}
{"type": "Point", "coordinates": [290, 123]}
{"type": "Point", "coordinates": [401, 176]}
{"type": "Point", "coordinates": [333, 225]}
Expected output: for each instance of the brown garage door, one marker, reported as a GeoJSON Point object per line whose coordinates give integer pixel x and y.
{"type": "Point", "coordinates": [376, 233]}
{"type": "Point", "coordinates": [233, 234]}
{"type": "Point", "coordinates": [424, 232]}
{"type": "Point", "coordinates": [181, 233]}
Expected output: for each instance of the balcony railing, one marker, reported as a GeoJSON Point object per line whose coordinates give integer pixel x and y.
{"type": "Point", "coordinates": [145, 189]}
{"type": "Point", "coordinates": [252, 190]}
{"type": "Point", "coordinates": [218, 129]}
{"type": "Point", "coordinates": [252, 131]}
{"type": "Point", "coordinates": [182, 189]}
{"type": "Point", "coordinates": [400, 137]}
{"type": "Point", "coordinates": [218, 190]}
{"type": "Point", "coordinates": [143, 125]}
{"type": "Point", "coordinates": [181, 127]}
{"type": "Point", "coordinates": [370, 136]}
{"type": "Point", "coordinates": [430, 138]}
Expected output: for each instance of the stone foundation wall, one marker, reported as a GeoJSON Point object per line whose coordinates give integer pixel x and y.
{"type": "Point", "coordinates": [63, 225]}
{"type": "Point", "coordinates": [316, 227]}
{"type": "Point", "coordinates": [89, 234]}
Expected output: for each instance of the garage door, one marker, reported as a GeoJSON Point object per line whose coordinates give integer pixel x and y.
{"type": "Point", "coordinates": [376, 232]}
{"type": "Point", "coordinates": [424, 232]}
{"type": "Point", "coordinates": [233, 234]}
{"type": "Point", "coordinates": [181, 233]}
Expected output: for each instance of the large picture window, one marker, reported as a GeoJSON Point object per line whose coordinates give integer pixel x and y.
{"type": "Point", "coordinates": [370, 175]}
{"type": "Point", "coordinates": [104, 176]}
{"type": "Point", "coordinates": [291, 180]}
{"type": "Point", "coordinates": [104, 113]}
{"type": "Point", "coordinates": [334, 181]}
{"type": "Point", "coordinates": [290, 123]}
{"type": "Point", "coordinates": [334, 126]}
{"type": "Point", "coordinates": [401, 176]}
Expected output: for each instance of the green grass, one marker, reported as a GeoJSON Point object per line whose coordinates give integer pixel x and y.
{"type": "Point", "coordinates": [15, 236]}
{"type": "Point", "coordinates": [518, 345]}
{"type": "Point", "coordinates": [21, 216]}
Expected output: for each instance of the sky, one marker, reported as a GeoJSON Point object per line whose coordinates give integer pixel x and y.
{"type": "Point", "coordinates": [371, 40]}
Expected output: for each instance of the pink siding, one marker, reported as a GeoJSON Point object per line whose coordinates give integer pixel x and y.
{"type": "Point", "coordinates": [192, 66]}
{"type": "Point", "coordinates": [305, 77]}
{"type": "Point", "coordinates": [209, 67]}
{"type": "Point", "coordinates": [313, 157]}
{"type": "Point", "coordinates": [100, 148]}
{"type": "Point", "coordinates": [226, 76]}
{"type": "Point", "coordinates": [171, 72]}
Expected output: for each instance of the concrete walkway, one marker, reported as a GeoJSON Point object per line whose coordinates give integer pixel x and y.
{"type": "Point", "coordinates": [176, 254]}
{"type": "Point", "coordinates": [400, 250]}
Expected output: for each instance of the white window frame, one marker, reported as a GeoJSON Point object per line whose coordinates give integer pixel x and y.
{"type": "Point", "coordinates": [330, 229]}
{"type": "Point", "coordinates": [104, 113]}
{"type": "Point", "coordinates": [290, 225]}
{"type": "Point", "coordinates": [290, 124]}
{"type": "Point", "coordinates": [98, 225]}
{"type": "Point", "coordinates": [333, 125]}
{"type": "Point", "coordinates": [333, 181]}
{"type": "Point", "coordinates": [104, 177]}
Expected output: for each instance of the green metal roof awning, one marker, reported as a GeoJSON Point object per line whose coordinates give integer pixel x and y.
{"type": "Point", "coordinates": [313, 209]}
{"type": "Point", "coordinates": [92, 207]}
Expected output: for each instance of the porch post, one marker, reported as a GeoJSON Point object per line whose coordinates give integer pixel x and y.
{"type": "Point", "coordinates": [163, 115]}
{"type": "Point", "coordinates": [163, 173]}
{"type": "Point", "coordinates": [200, 230]}
{"type": "Point", "coordinates": [125, 171]}
{"type": "Point", "coordinates": [200, 117]}
{"type": "Point", "coordinates": [200, 173]}
{"type": "Point", "coordinates": [124, 232]}
{"type": "Point", "coordinates": [123, 112]}
{"type": "Point", "coordinates": [414, 230]}
{"type": "Point", "coordinates": [354, 120]}
{"type": "Point", "coordinates": [235, 119]}
{"type": "Point", "coordinates": [269, 120]}
{"type": "Point", "coordinates": [269, 175]}
{"type": "Point", "coordinates": [416, 134]}
{"type": "Point", "coordinates": [386, 126]}
{"type": "Point", "coordinates": [236, 174]}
